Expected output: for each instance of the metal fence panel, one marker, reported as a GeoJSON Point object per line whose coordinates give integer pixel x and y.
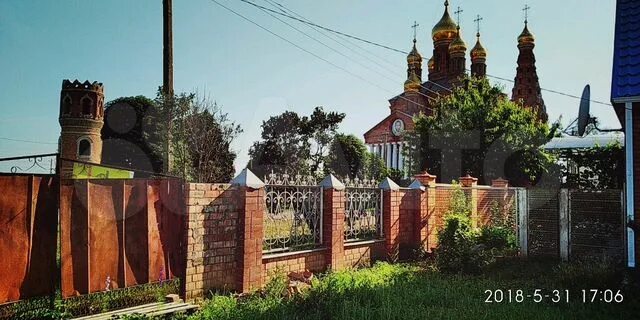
{"type": "Point", "coordinates": [293, 217]}
{"type": "Point", "coordinates": [596, 223]}
{"type": "Point", "coordinates": [543, 224]}
{"type": "Point", "coordinates": [363, 210]}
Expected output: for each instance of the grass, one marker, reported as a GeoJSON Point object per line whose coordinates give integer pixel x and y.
{"type": "Point", "coordinates": [416, 291]}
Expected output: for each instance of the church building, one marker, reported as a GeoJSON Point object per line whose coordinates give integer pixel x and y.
{"type": "Point", "coordinates": [445, 70]}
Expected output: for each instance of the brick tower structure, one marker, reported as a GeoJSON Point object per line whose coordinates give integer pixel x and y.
{"type": "Point", "coordinates": [527, 87]}
{"type": "Point", "coordinates": [81, 120]}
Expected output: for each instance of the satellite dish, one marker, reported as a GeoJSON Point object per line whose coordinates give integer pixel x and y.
{"type": "Point", "coordinates": [583, 114]}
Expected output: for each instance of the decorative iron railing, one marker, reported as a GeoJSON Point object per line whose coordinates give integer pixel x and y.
{"type": "Point", "coordinates": [31, 164]}
{"type": "Point", "coordinates": [293, 217]}
{"type": "Point", "coordinates": [363, 210]}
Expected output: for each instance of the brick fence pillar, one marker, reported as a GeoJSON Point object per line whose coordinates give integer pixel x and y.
{"type": "Point", "coordinates": [428, 209]}
{"type": "Point", "coordinates": [250, 199]}
{"type": "Point", "coordinates": [471, 183]}
{"type": "Point", "coordinates": [391, 218]}
{"type": "Point", "coordinates": [500, 183]}
{"type": "Point", "coordinates": [333, 212]}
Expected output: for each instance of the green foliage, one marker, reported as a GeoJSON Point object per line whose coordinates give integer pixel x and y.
{"type": "Point", "coordinates": [457, 250]}
{"type": "Point", "coordinates": [348, 156]}
{"type": "Point", "coordinates": [291, 143]}
{"type": "Point", "coordinates": [198, 136]}
{"type": "Point", "coordinates": [497, 137]}
{"type": "Point", "coordinates": [497, 237]}
{"type": "Point", "coordinates": [407, 292]}
{"type": "Point", "coordinates": [458, 202]}
{"type": "Point", "coordinates": [600, 167]}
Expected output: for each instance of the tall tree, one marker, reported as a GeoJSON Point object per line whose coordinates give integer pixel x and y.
{"type": "Point", "coordinates": [477, 130]}
{"type": "Point", "coordinates": [348, 157]}
{"type": "Point", "coordinates": [291, 143]}
{"type": "Point", "coordinates": [199, 139]}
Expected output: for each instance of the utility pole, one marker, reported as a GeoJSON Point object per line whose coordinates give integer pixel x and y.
{"type": "Point", "coordinates": [167, 77]}
{"type": "Point", "coordinates": [167, 48]}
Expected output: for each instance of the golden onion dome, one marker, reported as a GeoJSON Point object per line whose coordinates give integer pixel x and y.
{"type": "Point", "coordinates": [431, 64]}
{"type": "Point", "coordinates": [526, 36]}
{"type": "Point", "coordinates": [458, 45]}
{"type": "Point", "coordinates": [413, 83]}
{"type": "Point", "coordinates": [414, 56]}
{"type": "Point", "coordinates": [478, 51]}
{"type": "Point", "coordinates": [446, 27]}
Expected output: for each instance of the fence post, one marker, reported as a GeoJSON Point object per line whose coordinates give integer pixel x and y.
{"type": "Point", "coordinates": [472, 183]}
{"type": "Point", "coordinates": [429, 181]}
{"type": "Point", "coordinates": [333, 221]}
{"type": "Point", "coordinates": [250, 199]}
{"type": "Point", "coordinates": [523, 221]}
{"type": "Point", "coordinates": [421, 215]}
{"type": "Point", "coordinates": [391, 218]}
{"type": "Point", "coordinates": [564, 224]}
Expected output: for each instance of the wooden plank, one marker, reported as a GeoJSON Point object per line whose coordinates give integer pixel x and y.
{"type": "Point", "coordinates": [564, 224]}
{"type": "Point", "coordinates": [117, 311]}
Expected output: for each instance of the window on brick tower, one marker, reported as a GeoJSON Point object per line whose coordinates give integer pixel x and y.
{"type": "Point", "coordinates": [86, 106]}
{"type": "Point", "coordinates": [66, 105]}
{"type": "Point", "coordinates": [84, 148]}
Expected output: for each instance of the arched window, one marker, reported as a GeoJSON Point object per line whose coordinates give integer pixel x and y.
{"type": "Point", "coordinates": [84, 148]}
{"type": "Point", "coordinates": [86, 105]}
{"type": "Point", "coordinates": [66, 105]}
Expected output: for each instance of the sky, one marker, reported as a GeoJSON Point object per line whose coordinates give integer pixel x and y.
{"type": "Point", "coordinates": [254, 74]}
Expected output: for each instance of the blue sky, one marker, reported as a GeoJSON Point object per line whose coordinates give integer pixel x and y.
{"type": "Point", "coordinates": [253, 74]}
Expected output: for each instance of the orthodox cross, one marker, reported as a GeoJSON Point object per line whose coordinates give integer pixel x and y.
{"type": "Point", "coordinates": [415, 27]}
{"type": "Point", "coordinates": [526, 12]}
{"type": "Point", "coordinates": [477, 21]}
{"type": "Point", "coordinates": [458, 12]}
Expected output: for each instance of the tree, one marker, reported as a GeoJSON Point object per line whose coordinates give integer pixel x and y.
{"type": "Point", "coordinates": [477, 130]}
{"type": "Point", "coordinates": [348, 157]}
{"type": "Point", "coordinates": [131, 133]}
{"type": "Point", "coordinates": [200, 137]}
{"type": "Point", "coordinates": [600, 167]}
{"type": "Point", "coordinates": [291, 143]}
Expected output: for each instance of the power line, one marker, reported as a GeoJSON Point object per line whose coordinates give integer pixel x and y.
{"type": "Point", "coordinates": [311, 53]}
{"type": "Point", "coordinates": [404, 52]}
{"type": "Point", "coordinates": [342, 54]}
{"type": "Point", "coordinates": [308, 22]}
{"type": "Point", "coordinates": [27, 141]}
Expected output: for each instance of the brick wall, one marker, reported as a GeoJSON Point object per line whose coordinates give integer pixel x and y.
{"type": "Point", "coordinates": [212, 244]}
{"type": "Point", "coordinates": [312, 260]}
{"type": "Point", "coordinates": [363, 254]}
{"type": "Point", "coordinates": [224, 235]}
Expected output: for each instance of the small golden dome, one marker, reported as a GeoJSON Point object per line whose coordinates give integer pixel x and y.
{"type": "Point", "coordinates": [431, 64]}
{"type": "Point", "coordinates": [526, 36]}
{"type": "Point", "coordinates": [414, 56]}
{"type": "Point", "coordinates": [458, 45]}
{"type": "Point", "coordinates": [413, 83]}
{"type": "Point", "coordinates": [478, 51]}
{"type": "Point", "coordinates": [446, 27]}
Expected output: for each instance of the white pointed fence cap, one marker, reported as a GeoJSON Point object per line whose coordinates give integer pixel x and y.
{"type": "Point", "coordinates": [246, 178]}
{"type": "Point", "coordinates": [331, 182]}
{"type": "Point", "coordinates": [417, 185]}
{"type": "Point", "coordinates": [388, 184]}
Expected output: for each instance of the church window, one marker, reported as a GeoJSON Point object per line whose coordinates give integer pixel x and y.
{"type": "Point", "coordinates": [84, 148]}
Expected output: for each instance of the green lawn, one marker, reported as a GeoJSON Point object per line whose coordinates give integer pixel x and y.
{"type": "Point", "coordinates": [415, 291]}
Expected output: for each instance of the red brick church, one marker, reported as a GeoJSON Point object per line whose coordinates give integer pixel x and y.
{"type": "Point", "coordinates": [444, 71]}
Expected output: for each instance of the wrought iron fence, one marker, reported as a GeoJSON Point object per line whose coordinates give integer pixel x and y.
{"type": "Point", "coordinates": [31, 164]}
{"type": "Point", "coordinates": [293, 217]}
{"type": "Point", "coordinates": [363, 210]}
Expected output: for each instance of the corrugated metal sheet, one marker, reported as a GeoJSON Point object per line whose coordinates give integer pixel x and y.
{"type": "Point", "coordinates": [626, 57]}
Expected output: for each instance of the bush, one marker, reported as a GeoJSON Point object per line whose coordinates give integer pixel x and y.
{"type": "Point", "coordinates": [497, 238]}
{"type": "Point", "coordinates": [458, 250]}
